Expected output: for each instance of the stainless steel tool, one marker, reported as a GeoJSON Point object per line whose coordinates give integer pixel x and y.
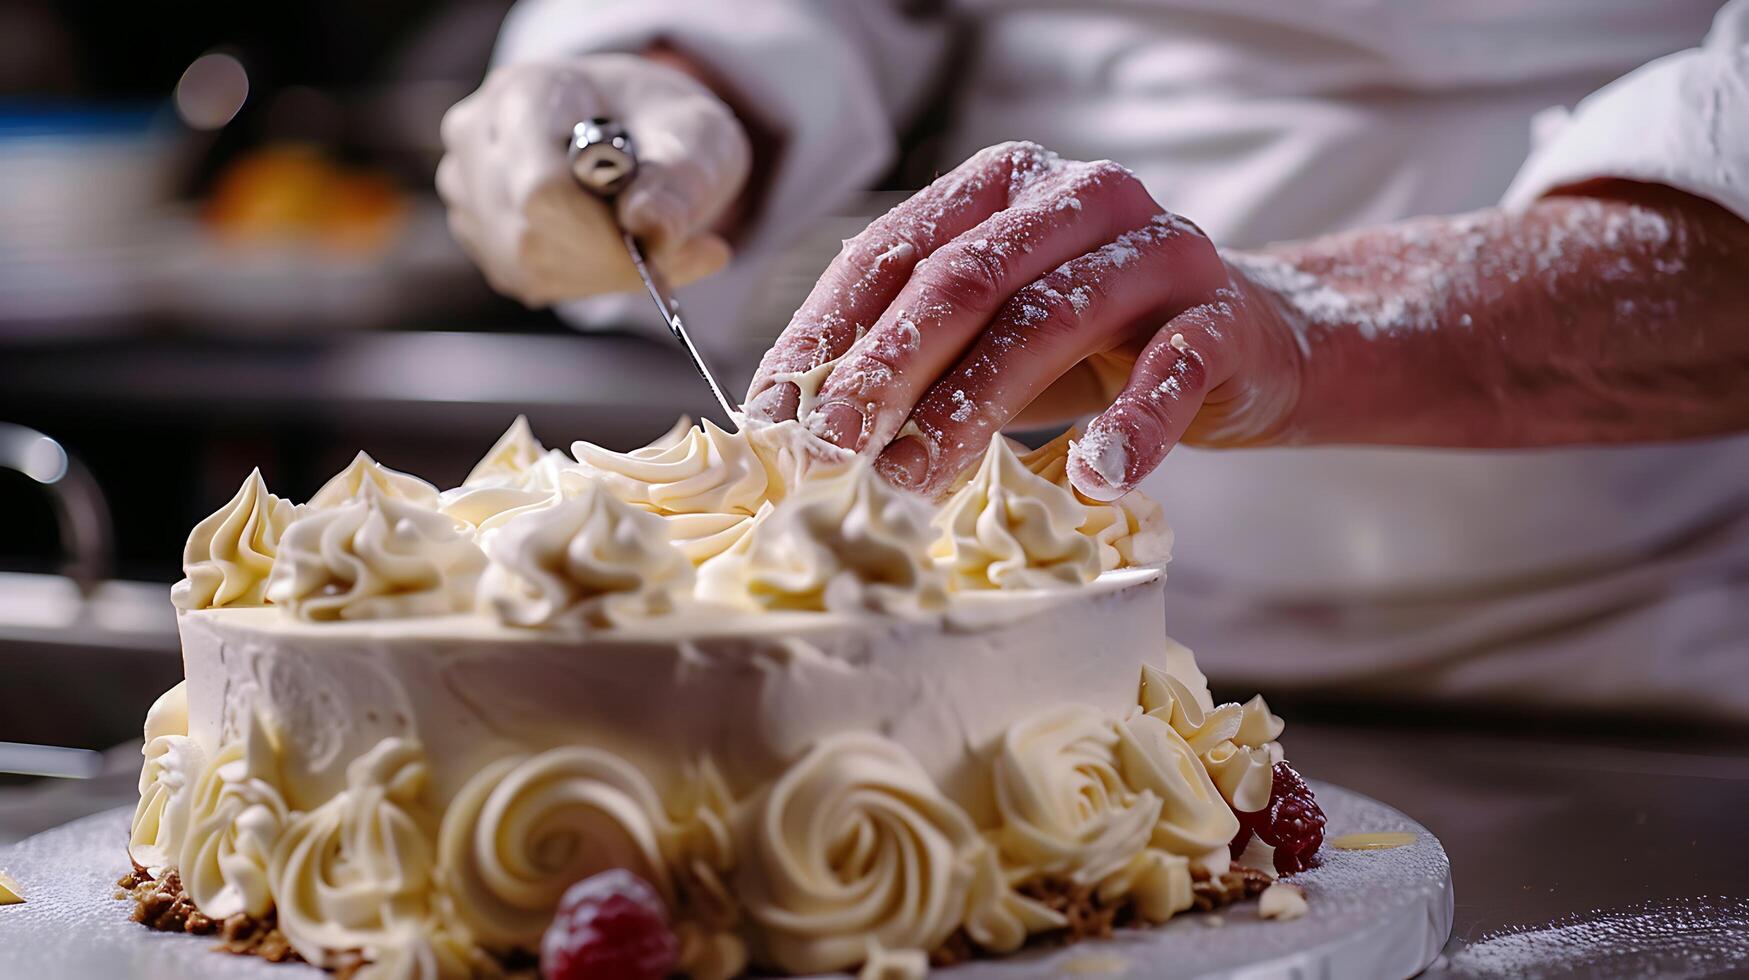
{"type": "Point", "coordinates": [604, 160]}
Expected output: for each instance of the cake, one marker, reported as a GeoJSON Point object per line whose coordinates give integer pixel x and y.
{"type": "Point", "coordinates": [831, 726]}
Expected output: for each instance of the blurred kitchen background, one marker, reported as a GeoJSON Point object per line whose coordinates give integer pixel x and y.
{"type": "Point", "coordinates": [220, 248]}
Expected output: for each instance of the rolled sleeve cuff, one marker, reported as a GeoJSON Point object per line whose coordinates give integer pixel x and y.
{"type": "Point", "coordinates": [1681, 121]}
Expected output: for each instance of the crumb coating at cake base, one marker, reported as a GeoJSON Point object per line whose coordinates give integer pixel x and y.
{"type": "Point", "coordinates": [891, 761]}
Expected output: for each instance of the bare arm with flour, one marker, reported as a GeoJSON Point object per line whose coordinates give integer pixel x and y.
{"type": "Point", "coordinates": [1024, 283]}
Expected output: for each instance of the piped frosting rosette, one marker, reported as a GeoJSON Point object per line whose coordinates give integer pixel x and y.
{"type": "Point", "coordinates": [848, 542]}
{"type": "Point", "coordinates": [229, 555]}
{"type": "Point", "coordinates": [1236, 743]}
{"type": "Point", "coordinates": [711, 484]}
{"type": "Point", "coordinates": [172, 767]}
{"type": "Point", "coordinates": [516, 476]}
{"type": "Point", "coordinates": [356, 872]}
{"type": "Point", "coordinates": [374, 557]}
{"type": "Point", "coordinates": [853, 853]}
{"type": "Point", "coordinates": [589, 561]}
{"type": "Point", "coordinates": [528, 827]}
{"type": "Point", "coordinates": [1009, 528]}
{"type": "Point", "coordinates": [1129, 531]}
{"type": "Point", "coordinates": [238, 813]}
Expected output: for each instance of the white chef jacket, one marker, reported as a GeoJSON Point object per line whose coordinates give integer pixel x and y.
{"type": "Point", "coordinates": [1584, 577]}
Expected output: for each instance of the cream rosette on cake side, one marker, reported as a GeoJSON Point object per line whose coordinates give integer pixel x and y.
{"type": "Point", "coordinates": [853, 854]}
{"type": "Point", "coordinates": [846, 542]}
{"type": "Point", "coordinates": [356, 873]}
{"type": "Point", "coordinates": [1236, 743]}
{"type": "Point", "coordinates": [528, 827]}
{"type": "Point", "coordinates": [1073, 810]}
{"type": "Point", "coordinates": [589, 561]}
{"type": "Point", "coordinates": [239, 811]}
{"type": "Point", "coordinates": [374, 557]}
{"type": "Point", "coordinates": [172, 768]}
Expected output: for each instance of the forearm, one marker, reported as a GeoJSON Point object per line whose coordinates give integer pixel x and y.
{"type": "Point", "coordinates": [1616, 315]}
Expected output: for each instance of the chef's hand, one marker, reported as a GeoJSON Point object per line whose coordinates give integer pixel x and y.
{"type": "Point", "coordinates": [1024, 282]}
{"type": "Point", "coordinates": [540, 237]}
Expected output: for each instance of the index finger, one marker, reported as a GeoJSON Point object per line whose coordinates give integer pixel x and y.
{"type": "Point", "coordinates": [867, 275]}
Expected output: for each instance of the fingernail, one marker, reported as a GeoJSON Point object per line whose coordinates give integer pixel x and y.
{"type": "Point", "coordinates": [1097, 463]}
{"type": "Point", "coordinates": [905, 463]}
{"type": "Point", "coordinates": [838, 423]}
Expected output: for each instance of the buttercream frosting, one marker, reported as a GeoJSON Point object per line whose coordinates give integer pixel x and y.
{"type": "Point", "coordinates": [356, 872]}
{"type": "Point", "coordinates": [848, 542]}
{"type": "Point", "coordinates": [1129, 531]}
{"type": "Point", "coordinates": [371, 557]}
{"type": "Point", "coordinates": [1009, 528]}
{"type": "Point", "coordinates": [854, 844]}
{"type": "Point", "coordinates": [1195, 821]}
{"type": "Point", "coordinates": [509, 458]}
{"type": "Point", "coordinates": [229, 555]}
{"type": "Point", "coordinates": [703, 856]}
{"type": "Point", "coordinates": [173, 764]}
{"type": "Point", "coordinates": [528, 827]}
{"type": "Point", "coordinates": [584, 562]}
{"type": "Point", "coordinates": [1236, 743]}
{"type": "Point", "coordinates": [516, 476]}
{"type": "Point", "coordinates": [238, 814]}
{"type": "Point", "coordinates": [1066, 809]}
{"type": "Point", "coordinates": [350, 483]}
{"type": "Point", "coordinates": [706, 471]}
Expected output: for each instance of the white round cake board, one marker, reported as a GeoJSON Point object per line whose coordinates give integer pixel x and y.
{"type": "Point", "coordinates": [1372, 914]}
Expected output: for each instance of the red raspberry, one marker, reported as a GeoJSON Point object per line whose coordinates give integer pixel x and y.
{"type": "Point", "coordinates": [610, 926]}
{"type": "Point", "coordinates": [1292, 823]}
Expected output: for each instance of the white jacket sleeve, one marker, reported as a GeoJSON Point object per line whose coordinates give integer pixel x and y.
{"type": "Point", "coordinates": [835, 78]}
{"type": "Point", "coordinates": [1681, 121]}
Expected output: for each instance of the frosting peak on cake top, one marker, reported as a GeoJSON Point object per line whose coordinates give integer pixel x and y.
{"type": "Point", "coordinates": [771, 516]}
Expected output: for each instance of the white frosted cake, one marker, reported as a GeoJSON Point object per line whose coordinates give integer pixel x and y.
{"type": "Point", "coordinates": [832, 726]}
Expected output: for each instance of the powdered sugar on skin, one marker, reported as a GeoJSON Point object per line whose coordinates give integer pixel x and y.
{"type": "Point", "coordinates": [1103, 452]}
{"type": "Point", "coordinates": [1413, 275]}
{"type": "Point", "coordinates": [1043, 194]}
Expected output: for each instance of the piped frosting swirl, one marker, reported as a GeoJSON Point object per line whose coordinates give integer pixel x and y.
{"type": "Point", "coordinates": [1009, 528]}
{"type": "Point", "coordinates": [1130, 530]}
{"type": "Point", "coordinates": [849, 542]}
{"type": "Point", "coordinates": [375, 557]}
{"type": "Point", "coordinates": [229, 555]}
{"type": "Point", "coordinates": [584, 562]}
{"type": "Point", "coordinates": [364, 474]}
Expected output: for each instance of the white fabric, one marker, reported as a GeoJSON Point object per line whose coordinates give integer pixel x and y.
{"type": "Point", "coordinates": [1265, 121]}
{"type": "Point", "coordinates": [1681, 121]}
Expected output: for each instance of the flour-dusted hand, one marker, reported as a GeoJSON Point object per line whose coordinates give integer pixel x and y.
{"type": "Point", "coordinates": [541, 238]}
{"type": "Point", "coordinates": [1021, 281]}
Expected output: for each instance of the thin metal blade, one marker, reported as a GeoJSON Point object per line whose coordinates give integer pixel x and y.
{"type": "Point", "coordinates": [670, 308]}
